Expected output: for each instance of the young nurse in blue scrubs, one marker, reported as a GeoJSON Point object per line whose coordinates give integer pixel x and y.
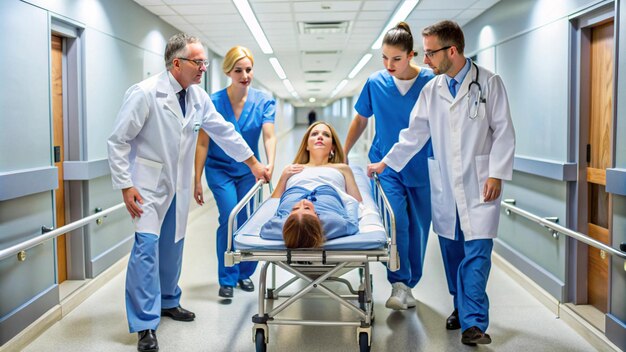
{"type": "Point", "coordinates": [251, 112]}
{"type": "Point", "coordinates": [390, 95]}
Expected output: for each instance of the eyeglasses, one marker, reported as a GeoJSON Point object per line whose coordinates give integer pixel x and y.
{"type": "Point", "coordinates": [430, 54]}
{"type": "Point", "coordinates": [198, 63]}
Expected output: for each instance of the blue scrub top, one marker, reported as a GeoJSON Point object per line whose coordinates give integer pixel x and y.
{"type": "Point", "coordinates": [258, 109]}
{"type": "Point", "coordinates": [380, 97]}
{"type": "Point", "coordinates": [335, 219]}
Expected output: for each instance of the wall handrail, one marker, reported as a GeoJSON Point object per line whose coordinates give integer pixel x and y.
{"type": "Point", "coordinates": [509, 204]}
{"type": "Point", "coordinates": [7, 252]}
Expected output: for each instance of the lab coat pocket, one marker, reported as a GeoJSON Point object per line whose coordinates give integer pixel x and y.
{"type": "Point", "coordinates": [436, 185]}
{"type": "Point", "coordinates": [482, 173]}
{"type": "Point", "coordinates": [147, 173]}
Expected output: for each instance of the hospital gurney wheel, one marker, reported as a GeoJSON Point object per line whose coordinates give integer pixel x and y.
{"type": "Point", "coordinates": [363, 342]}
{"type": "Point", "coordinates": [259, 341]}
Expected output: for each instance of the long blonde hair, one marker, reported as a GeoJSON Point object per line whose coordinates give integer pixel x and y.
{"type": "Point", "coordinates": [337, 156]}
{"type": "Point", "coordinates": [233, 55]}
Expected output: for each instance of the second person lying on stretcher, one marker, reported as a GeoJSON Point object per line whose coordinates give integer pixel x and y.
{"type": "Point", "coordinates": [319, 198]}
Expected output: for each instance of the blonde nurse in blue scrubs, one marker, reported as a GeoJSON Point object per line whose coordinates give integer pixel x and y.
{"type": "Point", "coordinates": [252, 113]}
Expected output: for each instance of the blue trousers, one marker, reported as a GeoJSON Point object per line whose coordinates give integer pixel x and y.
{"type": "Point", "coordinates": [411, 207]}
{"type": "Point", "coordinates": [152, 275]}
{"type": "Point", "coordinates": [467, 265]}
{"type": "Point", "coordinates": [228, 191]}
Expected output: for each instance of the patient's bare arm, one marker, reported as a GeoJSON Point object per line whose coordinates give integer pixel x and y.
{"type": "Point", "coordinates": [351, 187]}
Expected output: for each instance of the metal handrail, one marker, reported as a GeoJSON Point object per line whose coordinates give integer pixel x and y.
{"type": "Point", "coordinates": [508, 204]}
{"type": "Point", "coordinates": [7, 252]}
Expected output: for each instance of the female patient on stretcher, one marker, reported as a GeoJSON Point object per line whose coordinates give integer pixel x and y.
{"type": "Point", "coordinates": [319, 198]}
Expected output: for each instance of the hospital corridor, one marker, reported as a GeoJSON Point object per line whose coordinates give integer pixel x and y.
{"type": "Point", "coordinates": [312, 175]}
{"type": "Point", "coordinates": [520, 320]}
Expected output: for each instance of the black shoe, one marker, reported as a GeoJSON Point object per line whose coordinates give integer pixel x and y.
{"type": "Point", "coordinates": [474, 336]}
{"type": "Point", "coordinates": [178, 313]}
{"type": "Point", "coordinates": [147, 341]}
{"type": "Point", "coordinates": [226, 291]}
{"type": "Point", "coordinates": [452, 323]}
{"type": "Point", "coordinates": [246, 285]}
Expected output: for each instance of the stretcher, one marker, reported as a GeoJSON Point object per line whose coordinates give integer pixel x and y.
{"type": "Point", "coordinates": [313, 269]}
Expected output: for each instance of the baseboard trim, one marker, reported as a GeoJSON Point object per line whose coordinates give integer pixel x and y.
{"type": "Point", "coordinates": [616, 331]}
{"type": "Point", "coordinates": [56, 313]}
{"type": "Point", "coordinates": [548, 281]}
{"type": "Point", "coordinates": [23, 316]}
{"type": "Point", "coordinates": [102, 262]}
{"type": "Point", "coordinates": [590, 333]}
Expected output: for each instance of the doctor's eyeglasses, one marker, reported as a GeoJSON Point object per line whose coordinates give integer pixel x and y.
{"type": "Point", "coordinates": [430, 53]}
{"type": "Point", "coordinates": [198, 63]}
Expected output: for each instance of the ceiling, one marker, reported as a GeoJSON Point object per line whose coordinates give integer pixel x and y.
{"type": "Point", "coordinates": [314, 63]}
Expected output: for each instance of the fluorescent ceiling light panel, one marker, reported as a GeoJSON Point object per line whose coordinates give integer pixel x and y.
{"type": "Point", "coordinates": [278, 68]}
{"type": "Point", "coordinates": [364, 60]}
{"type": "Point", "coordinates": [401, 14]}
{"type": "Point", "coordinates": [339, 87]}
{"type": "Point", "coordinates": [248, 16]}
{"type": "Point", "coordinates": [288, 85]}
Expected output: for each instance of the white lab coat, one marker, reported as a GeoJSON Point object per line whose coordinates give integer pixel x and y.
{"type": "Point", "coordinates": [466, 152]}
{"type": "Point", "coordinates": [152, 147]}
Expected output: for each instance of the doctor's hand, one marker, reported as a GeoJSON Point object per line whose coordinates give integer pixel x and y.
{"type": "Point", "coordinates": [492, 189]}
{"type": "Point", "coordinates": [378, 168]}
{"type": "Point", "coordinates": [258, 170]}
{"type": "Point", "coordinates": [131, 197]}
{"type": "Point", "coordinates": [198, 193]}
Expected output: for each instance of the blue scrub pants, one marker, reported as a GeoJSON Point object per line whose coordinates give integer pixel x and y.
{"type": "Point", "coordinates": [467, 265]}
{"type": "Point", "coordinates": [411, 207]}
{"type": "Point", "coordinates": [228, 191]}
{"type": "Point", "coordinates": [152, 275]}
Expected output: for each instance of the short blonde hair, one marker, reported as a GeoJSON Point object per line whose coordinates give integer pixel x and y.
{"type": "Point", "coordinates": [303, 231]}
{"type": "Point", "coordinates": [302, 157]}
{"type": "Point", "coordinates": [235, 54]}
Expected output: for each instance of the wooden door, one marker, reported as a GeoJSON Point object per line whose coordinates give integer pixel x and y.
{"type": "Point", "coordinates": [599, 159]}
{"type": "Point", "coordinates": [57, 140]}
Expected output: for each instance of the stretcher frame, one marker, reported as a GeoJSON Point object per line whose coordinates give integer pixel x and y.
{"type": "Point", "coordinates": [315, 267]}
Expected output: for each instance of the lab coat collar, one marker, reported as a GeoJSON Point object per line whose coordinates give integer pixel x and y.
{"type": "Point", "coordinates": [444, 91]}
{"type": "Point", "coordinates": [167, 88]}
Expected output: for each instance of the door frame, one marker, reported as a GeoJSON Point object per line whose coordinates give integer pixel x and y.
{"type": "Point", "coordinates": [73, 135]}
{"type": "Point", "coordinates": [580, 39]}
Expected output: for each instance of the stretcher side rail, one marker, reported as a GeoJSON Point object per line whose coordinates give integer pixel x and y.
{"type": "Point", "coordinates": [255, 194]}
{"type": "Point", "coordinates": [389, 221]}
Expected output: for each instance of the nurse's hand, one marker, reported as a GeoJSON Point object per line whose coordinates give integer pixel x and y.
{"type": "Point", "coordinates": [376, 167]}
{"type": "Point", "coordinates": [198, 193]}
{"type": "Point", "coordinates": [492, 189]}
{"type": "Point", "coordinates": [131, 197]}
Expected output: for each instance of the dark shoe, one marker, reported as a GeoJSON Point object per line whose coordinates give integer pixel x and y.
{"type": "Point", "coordinates": [474, 336]}
{"type": "Point", "coordinates": [452, 323]}
{"type": "Point", "coordinates": [147, 341]}
{"type": "Point", "coordinates": [178, 313]}
{"type": "Point", "coordinates": [246, 285]}
{"type": "Point", "coordinates": [226, 291]}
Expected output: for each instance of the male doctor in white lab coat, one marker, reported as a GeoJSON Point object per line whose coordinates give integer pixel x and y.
{"type": "Point", "coordinates": [151, 153]}
{"type": "Point", "coordinates": [465, 112]}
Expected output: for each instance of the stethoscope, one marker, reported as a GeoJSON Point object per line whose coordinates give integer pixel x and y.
{"type": "Point", "coordinates": [479, 99]}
